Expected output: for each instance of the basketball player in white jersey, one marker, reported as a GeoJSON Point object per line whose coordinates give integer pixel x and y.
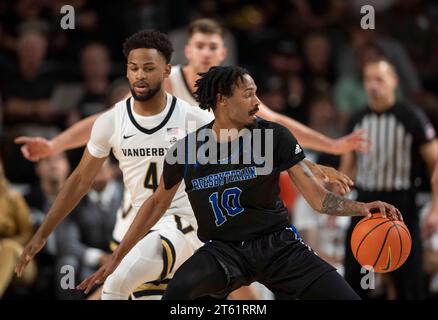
{"type": "Point", "coordinates": [139, 131]}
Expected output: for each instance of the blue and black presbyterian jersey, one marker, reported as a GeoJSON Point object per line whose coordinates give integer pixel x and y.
{"type": "Point", "coordinates": [236, 200]}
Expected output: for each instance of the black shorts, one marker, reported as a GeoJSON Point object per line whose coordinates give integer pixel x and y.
{"type": "Point", "coordinates": [280, 260]}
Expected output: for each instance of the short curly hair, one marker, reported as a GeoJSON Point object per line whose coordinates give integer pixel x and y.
{"type": "Point", "coordinates": [149, 39]}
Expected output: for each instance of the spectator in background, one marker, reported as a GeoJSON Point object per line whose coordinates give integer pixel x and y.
{"type": "Point", "coordinates": [17, 17]}
{"type": "Point", "coordinates": [283, 57]}
{"type": "Point", "coordinates": [27, 88]}
{"type": "Point", "coordinates": [15, 232]}
{"type": "Point", "coordinates": [92, 23]}
{"type": "Point", "coordinates": [318, 72]}
{"type": "Point", "coordinates": [285, 87]}
{"type": "Point", "coordinates": [146, 14]}
{"type": "Point", "coordinates": [318, 62]}
{"type": "Point", "coordinates": [273, 94]}
{"type": "Point", "coordinates": [413, 23]}
{"type": "Point", "coordinates": [83, 239]}
{"type": "Point", "coordinates": [311, 15]}
{"type": "Point", "coordinates": [95, 68]}
{"type": "Point", "coordinates": [52, 173]}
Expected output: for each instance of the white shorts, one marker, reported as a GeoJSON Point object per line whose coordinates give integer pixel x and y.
{"type": "Point", "coordinates": [125, 216]}
{"type": "Point", "coordinates": [146, 270]}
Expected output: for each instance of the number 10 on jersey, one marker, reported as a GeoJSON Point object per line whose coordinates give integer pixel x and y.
{"type": "Point", "coordinates": [230, 201]}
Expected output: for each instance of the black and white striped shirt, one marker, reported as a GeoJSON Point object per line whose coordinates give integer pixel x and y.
{"type": "Point", "coordinates": [396, 137]}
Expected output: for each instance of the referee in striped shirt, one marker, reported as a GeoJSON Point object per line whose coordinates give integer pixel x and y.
{"type": "Point", "coordinates": [402, 140]}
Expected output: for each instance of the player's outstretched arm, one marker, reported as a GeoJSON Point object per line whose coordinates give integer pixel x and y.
{"type": "Point", "coordinates": [150, 212]}
{"type": "Point", "coordinates": [36, 148]}
{"type": "Point", "coordinates": [314, 140]}
{"type": "Point", "coordinates": [76, 186]}
{"type": "Point", "coordinates": [323, 201]}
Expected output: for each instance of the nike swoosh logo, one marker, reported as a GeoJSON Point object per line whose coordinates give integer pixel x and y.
{"type": "Point", "coordinates": [127, 137]}
{"type": "Point", "coordinates": [388, 262]}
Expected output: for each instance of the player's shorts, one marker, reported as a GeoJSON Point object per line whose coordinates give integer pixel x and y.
{"type": "Point", "coordinates": [125, 215]}
{"type": "Point", "coordinates": [280, 260]}
{"type": "Point", "coordinates": [179, 241]}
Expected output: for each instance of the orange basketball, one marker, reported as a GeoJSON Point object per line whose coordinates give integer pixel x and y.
{"type": "Point", "coordinates": [380, 243]}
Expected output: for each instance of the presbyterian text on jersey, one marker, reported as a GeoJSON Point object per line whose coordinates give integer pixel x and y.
{"type": "Point", "coordinates": [219, 179]}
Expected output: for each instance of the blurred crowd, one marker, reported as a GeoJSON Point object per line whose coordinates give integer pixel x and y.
{"type": "Point", "coordinates": [305, 55]}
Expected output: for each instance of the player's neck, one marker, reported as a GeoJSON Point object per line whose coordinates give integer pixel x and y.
{"type": "Point", "coordinates": [224, 124]}
{"type": "Point", "coordinates": [191, 76]}
{"type": "Point", "coordinates": [153, 106]}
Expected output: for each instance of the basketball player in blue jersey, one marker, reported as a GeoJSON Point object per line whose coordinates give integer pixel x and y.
{"type": "Point", "coordinates": [138, 130]}
{"type": "Point", "coordinates": [205, 48]}
{"type": "Point", "coordinates": [241, 220]}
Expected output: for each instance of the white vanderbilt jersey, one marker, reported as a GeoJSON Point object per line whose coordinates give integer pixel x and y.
{"type": "Point", "coordinates": [180, 87]}
{"type": "Point", "coordinates": [140, 144]}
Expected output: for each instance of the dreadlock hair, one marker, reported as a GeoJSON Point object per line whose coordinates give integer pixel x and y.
{"type": "Point", "coordinates": [217, 80]}
{"type": "Point", "coordinates": [149, 39]}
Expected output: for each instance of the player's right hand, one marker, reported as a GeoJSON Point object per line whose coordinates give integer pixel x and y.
{"type": "Point", "coordinates": [35, 148]}
{"type": "Point", "coordinates": [387, 210]}
{"type": "Point", "coordinates": [32, 248]}
{"type": "Point", "coordinates": [100, 275]}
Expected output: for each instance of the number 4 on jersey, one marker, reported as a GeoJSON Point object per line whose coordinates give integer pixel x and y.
{"type": "Point", "coordinates": [151, 179]}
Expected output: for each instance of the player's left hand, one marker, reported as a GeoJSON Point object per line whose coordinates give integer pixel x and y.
{"type": "Point", "coordinates": [355, 141]}
{"type": "Point", "coordinates": [430, 224]}
{"type": "Point", "coordinates": [332, 176]}
{"type": "Point", "coordinates": [100, 275]}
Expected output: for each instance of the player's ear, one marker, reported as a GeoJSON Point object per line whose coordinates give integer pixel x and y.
{"type": "Point", "coordinates": [221, 99]}
{"type": "Point", "coordinates": [167, 70]}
